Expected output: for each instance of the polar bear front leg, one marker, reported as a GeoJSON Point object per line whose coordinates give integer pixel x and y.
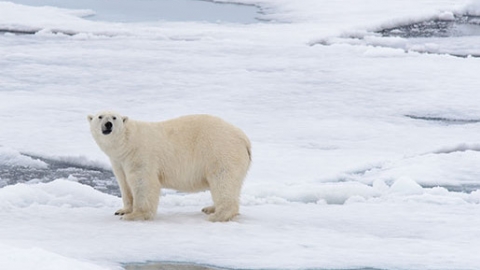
{"type": "Point", "coordinates": [146, 194]}
{"type": "Point", "coordinates": [124, 190]}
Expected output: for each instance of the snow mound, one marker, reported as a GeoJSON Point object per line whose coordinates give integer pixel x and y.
{"type": "Point", "coordinates": [15, 17]}
{"type": "Point", "coordinates": [446, 16]}
{"type": "Point", "coordinates": [473, 8]}
{"type": "Point", "coordinates": [330, 193]}
{"type": "Point", "coordinates": [40, 259]}
{"type": "Point", "coordinates": [10, 157]}
{"type": "Point", "coordinates": [45, 13]}
{"type": "Point", "coordinates": [405, 186]}
{"type": "Point", "coordinates": [58, 193]}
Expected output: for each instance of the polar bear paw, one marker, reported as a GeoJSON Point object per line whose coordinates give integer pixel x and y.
{"type": "Point", "coordinates": [123, 211]}
{"type": "Point", "coordinates": [209, 210]}
{"type": "Point", "coordinates": [222, 216]}
{"type": "Point", "coordinates": [138, 216]}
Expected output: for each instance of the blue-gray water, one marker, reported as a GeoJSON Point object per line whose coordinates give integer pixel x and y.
{"type": "Point", "coordinates": [156, 10]}
{"type": "Point", "coordinates": [460, 25]}
{"type": "Point", "coordinates": [183, 266]}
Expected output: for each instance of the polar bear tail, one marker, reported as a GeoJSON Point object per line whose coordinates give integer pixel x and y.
{"type": "Point", "coordinates": [249, 149]}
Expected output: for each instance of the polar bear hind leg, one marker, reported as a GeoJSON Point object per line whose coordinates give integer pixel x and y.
{"type": "Point", "coordinates": [225, 188]}
{"type": "Point", "coordinates": [225, 207]}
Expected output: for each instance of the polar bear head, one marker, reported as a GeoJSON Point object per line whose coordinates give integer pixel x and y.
{"type": "Point", "coordinates": [107, 123]}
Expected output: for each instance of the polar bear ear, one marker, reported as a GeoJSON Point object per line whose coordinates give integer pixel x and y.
{"type": "Point", "coordinates": [90, 118]}
{"type": "Point", "coordinates": [125, 119]}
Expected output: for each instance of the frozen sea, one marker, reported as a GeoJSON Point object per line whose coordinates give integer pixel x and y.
{"type": "Point", "coordinates": [365, 135]}
{"type": "Point", "coordinates": [156, 10]}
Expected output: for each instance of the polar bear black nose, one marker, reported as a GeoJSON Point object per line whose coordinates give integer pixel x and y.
{"type": "Point", "coordinates": [108, 125]}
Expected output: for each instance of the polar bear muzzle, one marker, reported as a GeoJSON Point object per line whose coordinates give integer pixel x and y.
{"type": "Point", "coordinates": [107, 128]}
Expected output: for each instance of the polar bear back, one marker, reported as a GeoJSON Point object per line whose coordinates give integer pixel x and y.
{"type": "Point", "coordinates": [186, 151]}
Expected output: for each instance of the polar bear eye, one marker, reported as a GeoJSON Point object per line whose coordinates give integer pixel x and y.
{"type": "Point", "coordinates": [100, 117]}
{"type": "Point", "coordinates": [114, 118]}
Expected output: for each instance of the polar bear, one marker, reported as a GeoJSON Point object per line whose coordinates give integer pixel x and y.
{"type": "Point", "coordinates": [190, 153]}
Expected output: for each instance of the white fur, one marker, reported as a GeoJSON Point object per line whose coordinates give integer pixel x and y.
{"type": "Point", "coordinates": [191, 153]}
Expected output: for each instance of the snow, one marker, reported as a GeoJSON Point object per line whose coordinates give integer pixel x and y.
{"type": "Point", "coordinates": [159, 10]}
{"type": "Point", "coordinates": [11, 157]}
{"type": "Point", "coordinates": [42, 260]}
{"type": "Point", "coordinates": [392, 231]}
{"type": "Point", "coordinates": [406, 186]}
{"type": "Point", "coordinates": [365, 150]}
{"type": "Point", "coordinates": [446, 16]}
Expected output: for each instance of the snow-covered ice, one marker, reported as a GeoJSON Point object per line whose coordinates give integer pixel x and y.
{"type": "Point", "coordinates": [158, 10]}
{"type": "Point", "coordinates": [365, 151]}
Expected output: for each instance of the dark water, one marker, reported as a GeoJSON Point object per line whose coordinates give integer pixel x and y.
{"type": "Point", "coordinates": [449, 34]}
{"type": "Point", "coordinates": [461, 25]}
{"type": "Point", "coordinates": [182, 266]}
{"type": "Point", "coordinates": [98, 178]}
{"type": "Point", "coordinates": [444, 120]}
{"type": "Point", "coordinates": [169, 266]}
